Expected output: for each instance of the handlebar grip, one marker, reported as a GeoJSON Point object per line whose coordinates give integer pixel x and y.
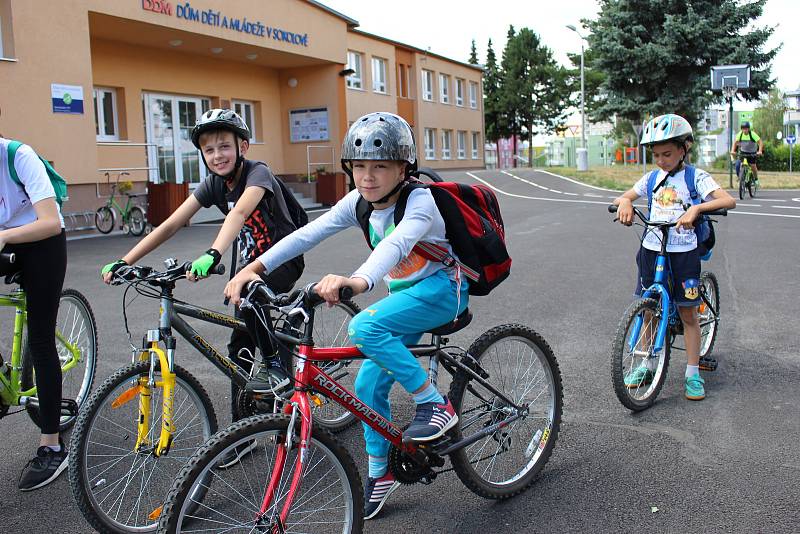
{"type": "Point", "coordinates": [345, 293]}
{"type": "Point", "coordinates": [219, 269]}
{"type": "Point", "coordinates": [722, 212]}
{"type": "Point", "coordinates": [8, 257]}
{"type": "Point", "coordinates": [612, 208]}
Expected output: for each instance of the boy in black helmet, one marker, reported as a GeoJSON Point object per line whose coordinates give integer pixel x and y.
{"type": "Point", "coordinates": [256, 216]}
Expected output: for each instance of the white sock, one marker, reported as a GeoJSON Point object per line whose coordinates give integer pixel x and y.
{"type": "Point", "coordinates": [692, 370]}
{"type": "Point", "coordinates": [54, 448]}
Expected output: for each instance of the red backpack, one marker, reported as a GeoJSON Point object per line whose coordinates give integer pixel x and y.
{"type": "Point", "coordinates": [473, 226]}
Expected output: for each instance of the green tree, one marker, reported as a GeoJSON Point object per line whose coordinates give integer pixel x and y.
{"type": "Point", "coordinates": [768, 118]}
{"type": "Point", "coordinates": [473, 54]}
{"type": "Point", "coordinates": [657, 55]}
{"type": "Point", "coordinates": [535, 92]}
{"type": "Point", "coordinates": [491, 96]}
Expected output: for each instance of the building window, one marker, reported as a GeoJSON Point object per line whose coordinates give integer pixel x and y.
{"type": "Point", "coordinates": [430, 143]}
{"type": "Point", "coordinates": [476, 139]}
{"type": "Point", "coordinates": [459, 92]}
{"type": "Point", "coordinates": [473, 95]}
{"type": "Point", "coordinates": [444, 88]}
{"type": "Point", "coordinates": [427, 85]}
{"type": "Point", "coordinates": [246, 111]}
{"type": "Point", "coordinates": [105, 114]}
{"type": "Point", "coordinates": [379, 75]}
{"type": "Point", "coordinates": [354, 62]}
{"type": "Point", "coordinates": [446, 138]}
{"type": "Point", "coordinates": [462, 145]}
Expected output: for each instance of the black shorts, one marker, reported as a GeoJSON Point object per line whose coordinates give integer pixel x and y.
{"type": "Point", "coordinates": [684, 274]}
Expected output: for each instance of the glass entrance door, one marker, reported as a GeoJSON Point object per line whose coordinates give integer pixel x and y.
{"type": "Point", "coordinates": [169, 120]}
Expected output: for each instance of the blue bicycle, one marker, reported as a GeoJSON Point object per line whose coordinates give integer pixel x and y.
{"type": "Point", "coordinates": [650, 325]}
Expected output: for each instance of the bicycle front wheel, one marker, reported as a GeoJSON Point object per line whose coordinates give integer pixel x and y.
{"type": "Point", "coordinates": [752, 186]}
{"type": "Point", "coordinates": [104, 219]}
{"type": "Point", "coordinates": [708, 312]}
{"type": "Point", "coordinates": [637, 371]}
{"type": "Point", "coordinates": [520, 365]}
{"type": "Point", "coordinates": [329, 498]}
{"type": "Point", "coordinates": [136, 221]}
{"type": "Point", "coordinates": [118, 486]}
{"type": "Point", "coordinates": [76, 343]}
{"type": "Point", "coordinates": [741, 187]}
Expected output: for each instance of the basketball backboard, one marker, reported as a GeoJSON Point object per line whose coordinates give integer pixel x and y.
{"type": "Point", "coordinates": [730, 76]}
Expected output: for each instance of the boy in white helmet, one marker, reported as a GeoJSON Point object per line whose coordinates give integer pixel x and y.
{"type": "Point", "coordinates": [379, 153]}
{"type": "Point", "coordinates": [668, 137]}
{"type": "Point", "coordinates": [256, 217]}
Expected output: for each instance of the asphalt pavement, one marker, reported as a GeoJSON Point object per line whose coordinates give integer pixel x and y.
{"type": "Point", "coordinates": [730, 463]}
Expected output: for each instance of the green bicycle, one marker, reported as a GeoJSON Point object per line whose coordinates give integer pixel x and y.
{"type": "Point", "coordinates": [134, 220]}
{"type": "Point", "coordinates": [76, 342]}
{"type": "Point", "coordinates": [747, 179]}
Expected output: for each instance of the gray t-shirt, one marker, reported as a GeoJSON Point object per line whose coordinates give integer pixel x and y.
{"type": "Point", "coordinates": [267, 224]}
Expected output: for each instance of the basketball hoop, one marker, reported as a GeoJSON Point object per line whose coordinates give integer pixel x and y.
{"type": "Point", "coordinates": [729, 91]}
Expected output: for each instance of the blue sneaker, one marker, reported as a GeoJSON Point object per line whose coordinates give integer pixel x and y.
{"type": "Point", "coordinates": [376, 492]}
{"type": "Point", "coordinates": [431, 421]}
{"type": "Point", "coordinates": [641, 376]}
{"type": "Point", "coordinates": [695, 389]}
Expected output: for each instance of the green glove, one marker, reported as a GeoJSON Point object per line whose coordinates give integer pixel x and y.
{"type": "Point", "coordinates": [112, 267]}
{"type": "Point", "coordinates": [205, 263]}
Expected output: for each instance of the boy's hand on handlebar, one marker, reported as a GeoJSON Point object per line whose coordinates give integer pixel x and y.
{"type": "Point", "coordinates": [328, 287]}
{"type": "Point", "coordinates": [686, 222]}
{"type": "Point", "coordinates": [204, 265]}
{"type": "Point", "coordinates": [108, 271]}
{"type": "Point", "coordinates": [625, 212]}
{"type": "Point", "coordinates": [233, 289]}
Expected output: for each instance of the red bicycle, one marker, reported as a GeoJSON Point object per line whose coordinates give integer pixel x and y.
{"type": "Point", "coordinates": [506, 389]}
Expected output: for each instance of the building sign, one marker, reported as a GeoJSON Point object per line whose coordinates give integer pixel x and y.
{"type": "Point", "coordinates": [66, 98]}
{"type": "Point", "coordinates": [308, 125]}
{"type": "Point", "coordinates": [219, 19]}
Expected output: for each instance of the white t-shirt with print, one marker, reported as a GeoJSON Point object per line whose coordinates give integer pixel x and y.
{"type": "Point", "coordinates": [16, 201]}
{"type": "Point", "coordinates": [667, 206]}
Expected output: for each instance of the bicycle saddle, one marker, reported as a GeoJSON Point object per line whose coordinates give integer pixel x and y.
{"type": "Point", "coordinates": [453, 326]}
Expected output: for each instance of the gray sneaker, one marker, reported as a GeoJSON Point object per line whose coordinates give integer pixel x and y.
{"type": "Point", "coordinates": [270, 378]}
{"type": "Point", "coordinates": [44, 468]}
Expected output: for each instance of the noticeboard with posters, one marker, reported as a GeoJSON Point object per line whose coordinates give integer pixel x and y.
{"type": "Point", "coordinates": [308, 125]}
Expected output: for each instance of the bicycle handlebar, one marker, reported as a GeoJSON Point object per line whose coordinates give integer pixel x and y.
{"type": "Point", "coordinates": [307, 294]}
{"type": "Point", "coordinates": [722, 212]}
{"type": "Point", "coordinates": [148, 274]}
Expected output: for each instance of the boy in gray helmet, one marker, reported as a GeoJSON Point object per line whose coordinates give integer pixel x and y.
{"type": "Point", "coordinates": [379, 154]}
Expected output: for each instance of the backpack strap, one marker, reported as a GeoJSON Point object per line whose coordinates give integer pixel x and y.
{"type": "Point", "coordinates": [651, 185]}
{"type": "Point", "coordinates": [688, 176]}
{"type": "Point", "coordinates": [363, 211]}
{"type": "Point", "coordinates": [13, 146]}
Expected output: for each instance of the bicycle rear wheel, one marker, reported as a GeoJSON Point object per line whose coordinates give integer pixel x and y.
{"type": "Point", "coordinates": [708, 312]}
{"type": "Point", "coordinates": [104, 219]}
{"type": "Point", "coordinates": [136, 221]}
{"type": "Point", "coordinates": [119, 488]}
{"type": "Point", "coordinates": [741, 185]}
{"type": "Point", "coordinates": [521, 365]}
{"type": "Point", "coordinates": [628, 355]}
{"type": "Point", "coordinates": [76, 327]}
{"type": "Point", "coordinates": [329, 498]}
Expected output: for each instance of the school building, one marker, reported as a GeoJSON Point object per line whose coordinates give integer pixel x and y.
{"type": "Point", "coordinates": [99, 86]}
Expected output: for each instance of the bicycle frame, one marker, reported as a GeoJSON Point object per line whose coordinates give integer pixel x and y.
{"type": "Point", "coordinates": [11, 393]}
{"type": "Point", "coordinates": [308, 377]}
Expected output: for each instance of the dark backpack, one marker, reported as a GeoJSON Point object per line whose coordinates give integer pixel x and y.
{"type": "Point", "coordinates": [473, 226]}
{"type": "Point", "coordinates": [296, 211]}
{"type": "Point", "coordinates": [56, 180]}
{"type": "Point", "coordinates": [705, 230]}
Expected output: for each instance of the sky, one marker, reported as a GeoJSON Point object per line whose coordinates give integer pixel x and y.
{"type": "Point", "coordinates": [448, 26]}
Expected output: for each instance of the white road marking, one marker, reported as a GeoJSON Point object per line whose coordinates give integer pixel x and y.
{"type": "Point", "coordinates": [748, 205]}
{"type": "Point", "coordinates": [787, 207]}
{"type": "Point", "coordinates": [592, 195]}
{"type": "Point", "coordinates": [575, 181]}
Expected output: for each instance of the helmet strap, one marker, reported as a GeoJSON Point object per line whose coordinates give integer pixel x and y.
{"type": "Point", "coordinates": [391, 193]}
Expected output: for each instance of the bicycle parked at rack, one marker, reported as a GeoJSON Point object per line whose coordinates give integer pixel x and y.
{"type": "Point", "coordinates": [747, 179]}
{"type": "Point", "coordinates": [651, 323]}
{"type": "Point", "coordinates": [506, 390]}
{"type": "Point", "coordinates": [142, 424]}
{"type": "Point", "coordinates": [134, 220]}
{"type": "Point", "coordinates": [76, 343]}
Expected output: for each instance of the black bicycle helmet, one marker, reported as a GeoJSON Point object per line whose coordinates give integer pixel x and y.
{"type": "Point", "coordinates": [221, 119]}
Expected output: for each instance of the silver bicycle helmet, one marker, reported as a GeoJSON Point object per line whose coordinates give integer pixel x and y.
{"type": "Point", "coordinates": [379, 136]}
{"type": "Point", "coordinates": [669, 127]}
{"type": "Point", "coordinates": [220, 119]}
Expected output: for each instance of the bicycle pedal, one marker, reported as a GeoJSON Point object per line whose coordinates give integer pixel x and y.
{"type": "Point", "coordinates": [708, 364]}
{"type": "Point", "coordinates": [69, 407]}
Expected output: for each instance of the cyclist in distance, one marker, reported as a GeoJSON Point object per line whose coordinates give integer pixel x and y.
{"type": "Point", "coordinates": [747, 142]}
{"type": "Point", "coordinates": [31, 227]}
{"type": "Point", "coordinates": [255, 210]}
{"type": "Point", "coordinates": [379, 153]}
{"type": "Point", "coordinates": [667, 136]}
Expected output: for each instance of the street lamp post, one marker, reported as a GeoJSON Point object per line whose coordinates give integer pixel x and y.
{"type": "Point", "coordinates": [583, 91]}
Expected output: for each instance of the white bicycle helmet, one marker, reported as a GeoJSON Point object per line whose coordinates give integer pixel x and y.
{"type": "Point", "coordinates": [669, 127]}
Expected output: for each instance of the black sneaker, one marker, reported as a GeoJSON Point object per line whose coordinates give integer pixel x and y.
{"type": "Point", "coordinates": [431, 421]}
{"type": "Point", "coordinates": [270, 378]}
{"type": "Point", "coordinates": [376, 492]}
{"type": "Point", "coordinates": [44, 468]}
{"type": "Point", "coordinates": [233, 456]}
